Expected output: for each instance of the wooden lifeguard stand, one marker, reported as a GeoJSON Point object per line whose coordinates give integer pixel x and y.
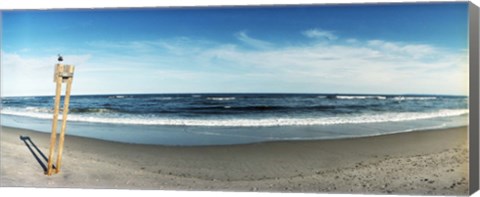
{"type": "Point", "coordinates": [62, 74]}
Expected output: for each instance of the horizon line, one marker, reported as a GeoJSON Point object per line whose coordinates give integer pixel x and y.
{"type": "Point", "coordinates": [287, 93]}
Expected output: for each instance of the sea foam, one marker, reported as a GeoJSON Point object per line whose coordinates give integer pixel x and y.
{"type": "Point", "coordinates": [244, 122]}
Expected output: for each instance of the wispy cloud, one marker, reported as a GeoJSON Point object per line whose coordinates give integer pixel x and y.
{"type": "Point", "coordinates": [32, 75]}
{"type": "Point", "coordinates": [319, 33]}
{"type": "Point", "coordinates": [260, 44]}
{"type": "Point", "coordinates": [188, 65]}
{"type": "Point", "coordinates": [413, 50]}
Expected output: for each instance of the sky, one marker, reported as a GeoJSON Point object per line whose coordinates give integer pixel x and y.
{"type": "Point", "coordinates": [373, 49]}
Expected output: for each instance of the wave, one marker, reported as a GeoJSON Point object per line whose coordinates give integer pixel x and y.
{"type": "Point", "coordinates": [39, 109]}
{"type": "Point", "coordinates": [401, 98]}
{"type": "Point", "coordinates": [259, 107]}
{"type": "Point", "coordinates": [163, 98]}
{"type": "Point", "coordinates": [119, 97]}
{"type": "Point", "coordinates": [397, 98]}
{"type": "Point", "coordinates": [50, 110]}
{"type": "Point", "coordinates": [360, 97]}
{"type": "Point", "coordinates": [221, 98]}
{"type": "Point", "coordinates": [219, 109]}
{"type": "Point", "coordinates": [247, 122]}
{"type": "Point", "coordinates": [263, 108]}
{"type": "Point", "coordinates": [92, 110]}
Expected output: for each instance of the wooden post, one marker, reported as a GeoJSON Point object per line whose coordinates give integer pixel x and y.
{"type": "Point", "coordinates": [68, 69]}
{"type": "Point", "coordinates": [53, 136]}
{"type": "Point", "coordinates": [63, 73]}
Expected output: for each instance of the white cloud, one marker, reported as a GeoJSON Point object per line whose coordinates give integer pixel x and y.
{"type": "Point", "coordinates": [391, 68]}
{"type": "Point", "coordinates": [24, 75]}
{"type": "Point", "coordinates": [260, 44]}
{"type": "Point", "coordinates": [413, 50]}
{"type": "Point", "coordinates": [319, 33]}
{"type": "Point", "coordinates": [134, 45]}
{"type": "Point", "coordinates": [187, 65]}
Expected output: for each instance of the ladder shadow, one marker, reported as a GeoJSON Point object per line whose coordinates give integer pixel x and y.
{"type": "Point", "coordinates": [29, 143]}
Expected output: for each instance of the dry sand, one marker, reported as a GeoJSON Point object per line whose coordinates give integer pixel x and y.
{"type": "Point", "coordinates": [426, 162]}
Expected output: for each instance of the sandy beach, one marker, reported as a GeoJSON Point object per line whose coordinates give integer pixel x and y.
{"type": "Point", "coordinates": [426, 162]}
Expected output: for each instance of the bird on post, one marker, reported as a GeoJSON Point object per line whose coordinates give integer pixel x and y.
{"type": "Point", "coordinates": [60, 58]}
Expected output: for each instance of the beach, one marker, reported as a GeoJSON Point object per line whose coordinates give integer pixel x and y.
{"type": "Point", "coordinates": [297, 99]}
{"type": "Point", "coordinates": [422, 162]}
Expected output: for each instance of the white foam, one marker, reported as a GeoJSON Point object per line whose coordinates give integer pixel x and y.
{"type": "Point", "coordinates": [117, 97]}
{"type": "Point", "coordinates": [163, 98]}
{"type": "Point", "coordinates": [353, 97]}
{"type": "Point", "coordinates": [27, 114]}
{"type": "Point", "coordinates": [401, 98]}
{"type": "Point", "coordinates": [246, 122]}
{"type": "Point", "coordinates": [39, 109]}
{"type": "Point", "coordinates": [381, 97]}
{"type": "Point", "coordinates": [221, 98]}
{"type": "Point", "coordinates": [398, 98]}
{"type": "Point", "coordinates": [361, 97]}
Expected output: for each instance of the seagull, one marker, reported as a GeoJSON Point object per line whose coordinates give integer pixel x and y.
{"type": "Point", "coordinates": [60, 58]}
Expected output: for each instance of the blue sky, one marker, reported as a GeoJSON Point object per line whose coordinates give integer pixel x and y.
{"type": "Point", "coordinates": [392, 48]}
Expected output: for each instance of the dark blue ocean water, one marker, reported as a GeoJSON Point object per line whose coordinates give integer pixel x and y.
{"type": "Point", "coordinates": [203, 119]}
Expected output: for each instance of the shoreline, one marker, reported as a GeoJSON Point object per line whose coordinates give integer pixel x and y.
{"type": "Point", "coordinates": [212, 135]}
{"type": "Point", "coordinates": [394, 163]}
{"type": "Point", "coordinates": [240, 144]}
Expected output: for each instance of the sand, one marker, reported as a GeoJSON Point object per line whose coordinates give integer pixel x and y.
{"type": "Point", "coordinates": [426, 162]}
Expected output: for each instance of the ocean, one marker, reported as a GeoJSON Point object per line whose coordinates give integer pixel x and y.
{"type": "Point", "coordinates": [219, 119]}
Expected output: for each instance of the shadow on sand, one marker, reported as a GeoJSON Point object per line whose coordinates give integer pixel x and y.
{"type": "Point", "coordinates": [28, 142]}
